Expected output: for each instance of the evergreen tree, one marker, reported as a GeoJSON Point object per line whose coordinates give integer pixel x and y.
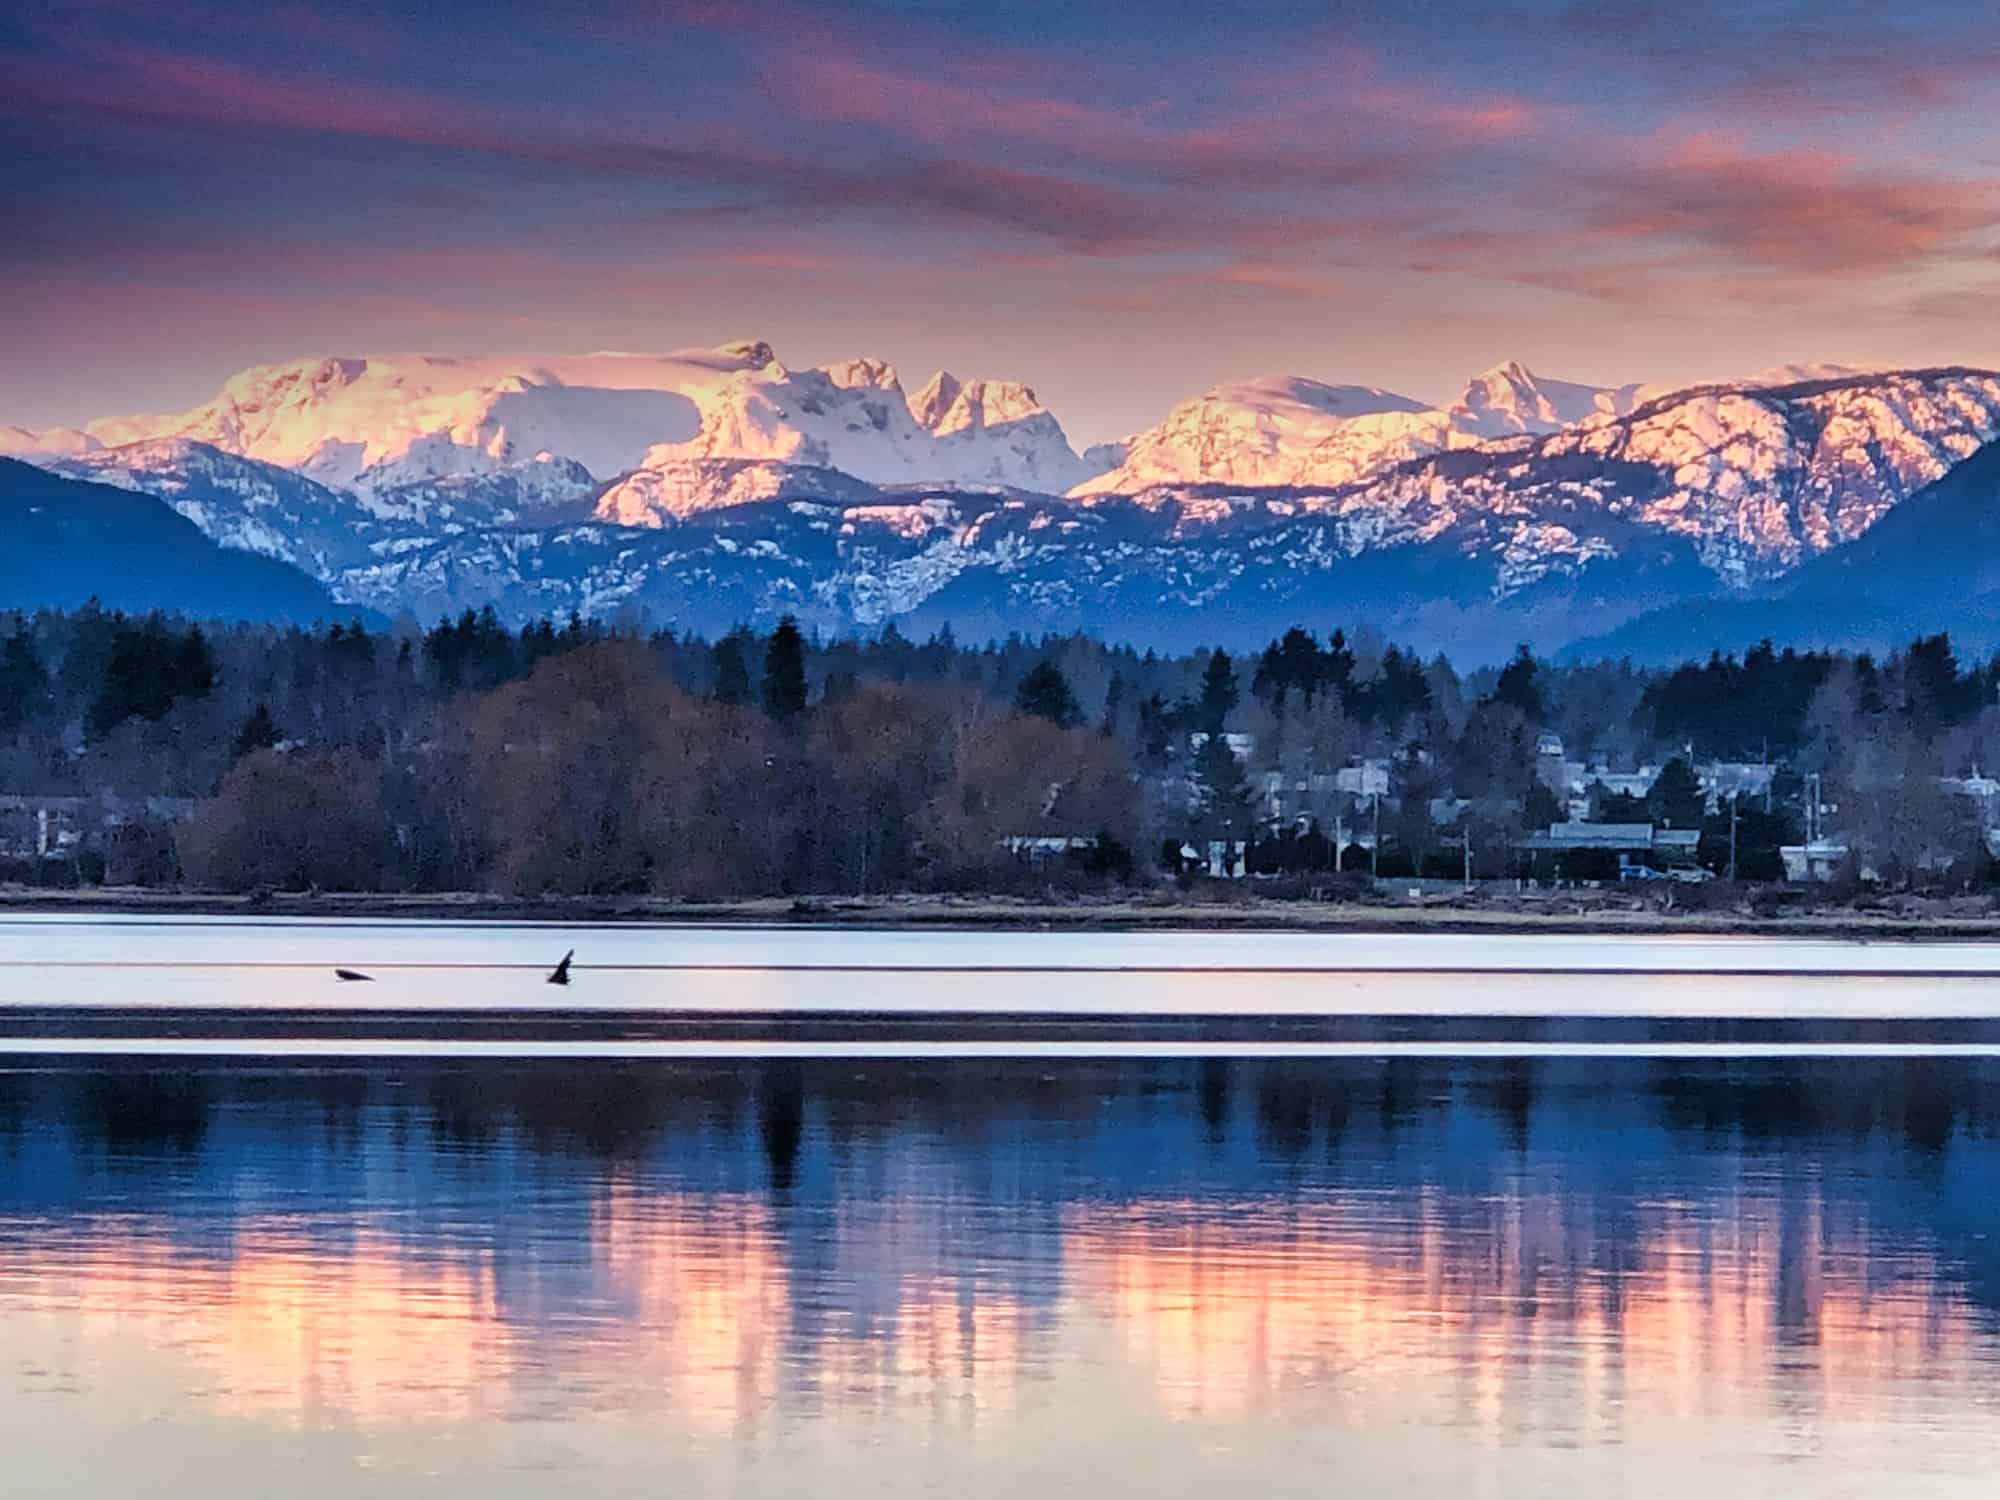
{"type": "Point", "coordinates": [785, 672]}
{"type": "Point", "coordinates": [1114, 701]}
{"type": "Point", "coordinates": [731, 672]}
{"type": "Point", "coordinates": [194, 665]}
{"type": "Point", "coordinates": [1289, 671]}
{"type": "Point", "coordinates": [1218, 692]}
{"type": "Point", "coordinates": [1046, 694]}
{"type": "Point", "coordinates": [1517, 687]}
{"type": "Point", "coordinates": [259, 732]}
{"type": "Point", "coordinates": [1543, 809]}
{"type": "Point", "coordinates": [24, 681]}
{"type": "Point", "coordinates": [1336, 670]}
{"type": "Point", "coordinates": [1156, 730]}
{"type": "Point", "coordinates": [1676, 800]}
{"type": "Point", "coordinates": [1224, 790]}
{"type": "Point", "coordinates": [150, 669]}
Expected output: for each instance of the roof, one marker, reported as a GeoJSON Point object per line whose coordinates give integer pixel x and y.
{"type": "Point", "coordinates": [1613, 837]}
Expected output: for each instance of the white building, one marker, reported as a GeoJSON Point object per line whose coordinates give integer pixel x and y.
{"type": "Point", "coordinates": [1819, 861]}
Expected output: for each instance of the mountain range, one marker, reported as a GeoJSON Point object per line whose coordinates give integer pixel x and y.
{"type": "Point", "coordinates": [69, 542]}
{"type": "Point", "coordinates": [711, 487]}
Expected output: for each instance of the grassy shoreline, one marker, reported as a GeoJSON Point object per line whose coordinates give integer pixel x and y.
{"type": "Point", "coordinates": [1579, 913]}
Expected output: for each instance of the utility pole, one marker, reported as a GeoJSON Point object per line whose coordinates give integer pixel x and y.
{"type": "Point", "coordinates": [1467, 837]}
{"type": "Point", "coordinates": [1375, 844]}
{"type": "Point", "coordinates": [1733, 801]}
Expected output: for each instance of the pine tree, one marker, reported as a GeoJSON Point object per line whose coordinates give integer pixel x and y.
{"type": "Point", "coordinates": [1517, 687]}
{"type": "Point", "coordinates": [1225, 791]}
{"type": "Point", "coordinates": [785, 671]}
{"type": "Point", "coordinates": [1676, 800]}
{"type": "Point", "coordinates": [194, 665]}
{"type": "Point", "coordinates": [731, 671]}
{"type": "Point", "coordinates": [1542, 810]}
{"type": "Point", "coordinates": [259, 732]}
{"type": "Point", "coordinates": [1218, 692]}
{"type": "Point", "coordinates": [1046, 694]}
{"type": "Point", "coordinates": [1114, 702]}
{"type": "Point", "coordinates": [1337, 668]}
{"type": "Point", "coordinates": [24, 681]}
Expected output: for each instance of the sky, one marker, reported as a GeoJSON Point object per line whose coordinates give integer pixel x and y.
{"type": "Point", "coordinates": [1120, 205]}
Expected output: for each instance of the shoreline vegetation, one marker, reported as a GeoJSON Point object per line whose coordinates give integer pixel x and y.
{"type": "Point", "coordinates": [596, 768]}
{"type": "Point", "coordinates": [1581, 912]}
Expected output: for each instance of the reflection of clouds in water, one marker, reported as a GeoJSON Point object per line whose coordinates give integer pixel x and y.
{"type": "Point", "coordinates": [689, 1316]}
{"type": "Point", "coordinates": [1513, 1319]}
{"type": "Point", "coordinates": [285, 1327]}
{"type": "Point", "coordinates": [702, 1305]}
{"type": "Point", "coordinates": [1507, 1317]}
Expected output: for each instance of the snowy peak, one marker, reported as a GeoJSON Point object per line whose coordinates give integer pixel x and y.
{"type": "Point", "coordinates": [1277, 430]}
{"type": "Point", "coordinates": [675, 489]}
{"type": "Point", "coordinates": [864, 375]}
{"type": "Point", "coordinates": [1288, 430]}
{"type": "Point", "coordinates": [1510, 399]}
{"type": "Point", "coordinates": [51, 442]}
{"type": "Point", "coordinates": [1753, 479]}
{"type": "Point", "coordinates": [1762, 477]}
{"type": "Point", "coordinates": [939, 395]}
{"type": "Point", "coordinates": [946, 405]}
{"type": "Point", "coordinates": [375, 424]}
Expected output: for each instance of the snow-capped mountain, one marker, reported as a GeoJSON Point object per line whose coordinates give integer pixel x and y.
{"type": "Point", "coordinates": [1160, 573]}
{"type": "Point", "coordinates": [69, 541]}
{"type": "Point", "coordinates": [1510, 399]}
{"type": "Point", "coordinates": [675, 489]}
{"type": "Point", "coordinates": [1286, 430]}
{"type": "Point", "coordinates": [1757, 478]}
{"type": "Point", "coordinates": [243, 504]}
{"type": "Point", "coordinates": [856, 418]}
{"type": "Point", "coordinates": [1530, 509]}
{"type": "Point", "coordinates": [50, 442]}
{"type": "Point", "coordinates": [1275, 431]}
{"type": "Point", "coordinates": [376, 424]}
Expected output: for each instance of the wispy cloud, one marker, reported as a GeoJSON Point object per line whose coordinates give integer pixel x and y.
{"type": "Point", "coordinates": [1217, 165]}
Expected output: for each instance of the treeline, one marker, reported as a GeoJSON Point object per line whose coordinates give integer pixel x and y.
{"type": "Point", "coordinates": [569, 756]}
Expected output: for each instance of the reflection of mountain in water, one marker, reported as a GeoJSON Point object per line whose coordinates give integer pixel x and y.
{"type": "Point", "coordinates": [1526, 1248]}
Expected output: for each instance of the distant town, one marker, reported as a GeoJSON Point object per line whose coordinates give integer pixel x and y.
{"type": "Point", "coordinates": [571, 758]}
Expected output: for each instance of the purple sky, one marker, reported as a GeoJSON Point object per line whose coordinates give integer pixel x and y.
{"type": "Point", "coordinates": [1120, 205]}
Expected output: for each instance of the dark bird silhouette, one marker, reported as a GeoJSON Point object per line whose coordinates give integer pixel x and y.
{"type": "Point", "coordinates": [561, 973]}
{"type": "Point", "coordinates": [353, 976]}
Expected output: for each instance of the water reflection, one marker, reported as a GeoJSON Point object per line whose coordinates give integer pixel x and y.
{"type": "Point", "coordinates": [1461, 1270]}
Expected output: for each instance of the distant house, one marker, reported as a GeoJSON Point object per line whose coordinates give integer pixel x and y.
{"type": "Point", "coordinates": [1365, 778]}
{"type": "Point", "coordinates": [1242, 746]}
{"type": "Point", "coordinates": [1038, 849]}
{"type": "Point", "coordinates": [1619, 783]}
{"type": "Point", "coordinates": [1590, 850]}
{"type": "Point", "coordinates": [1551, 768]}
{"type": "Point", "coordinates": [1613, 838]}
{"type": "Point", "coordinates": [1222, 859]}
{"type": "Point", "coordinates": [1723, 781]}
{"type": "Point", "coordinates": [34, 827]}
{"type": "Point", "coordinates": [1818, 862]}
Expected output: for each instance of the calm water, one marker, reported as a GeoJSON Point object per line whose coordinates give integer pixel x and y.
{"type": "Point", "coordinates": [986, 1278]}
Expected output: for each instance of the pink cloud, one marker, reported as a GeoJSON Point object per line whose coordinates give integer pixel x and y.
{"type": "Point", "coordinates": [1800, 212]}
